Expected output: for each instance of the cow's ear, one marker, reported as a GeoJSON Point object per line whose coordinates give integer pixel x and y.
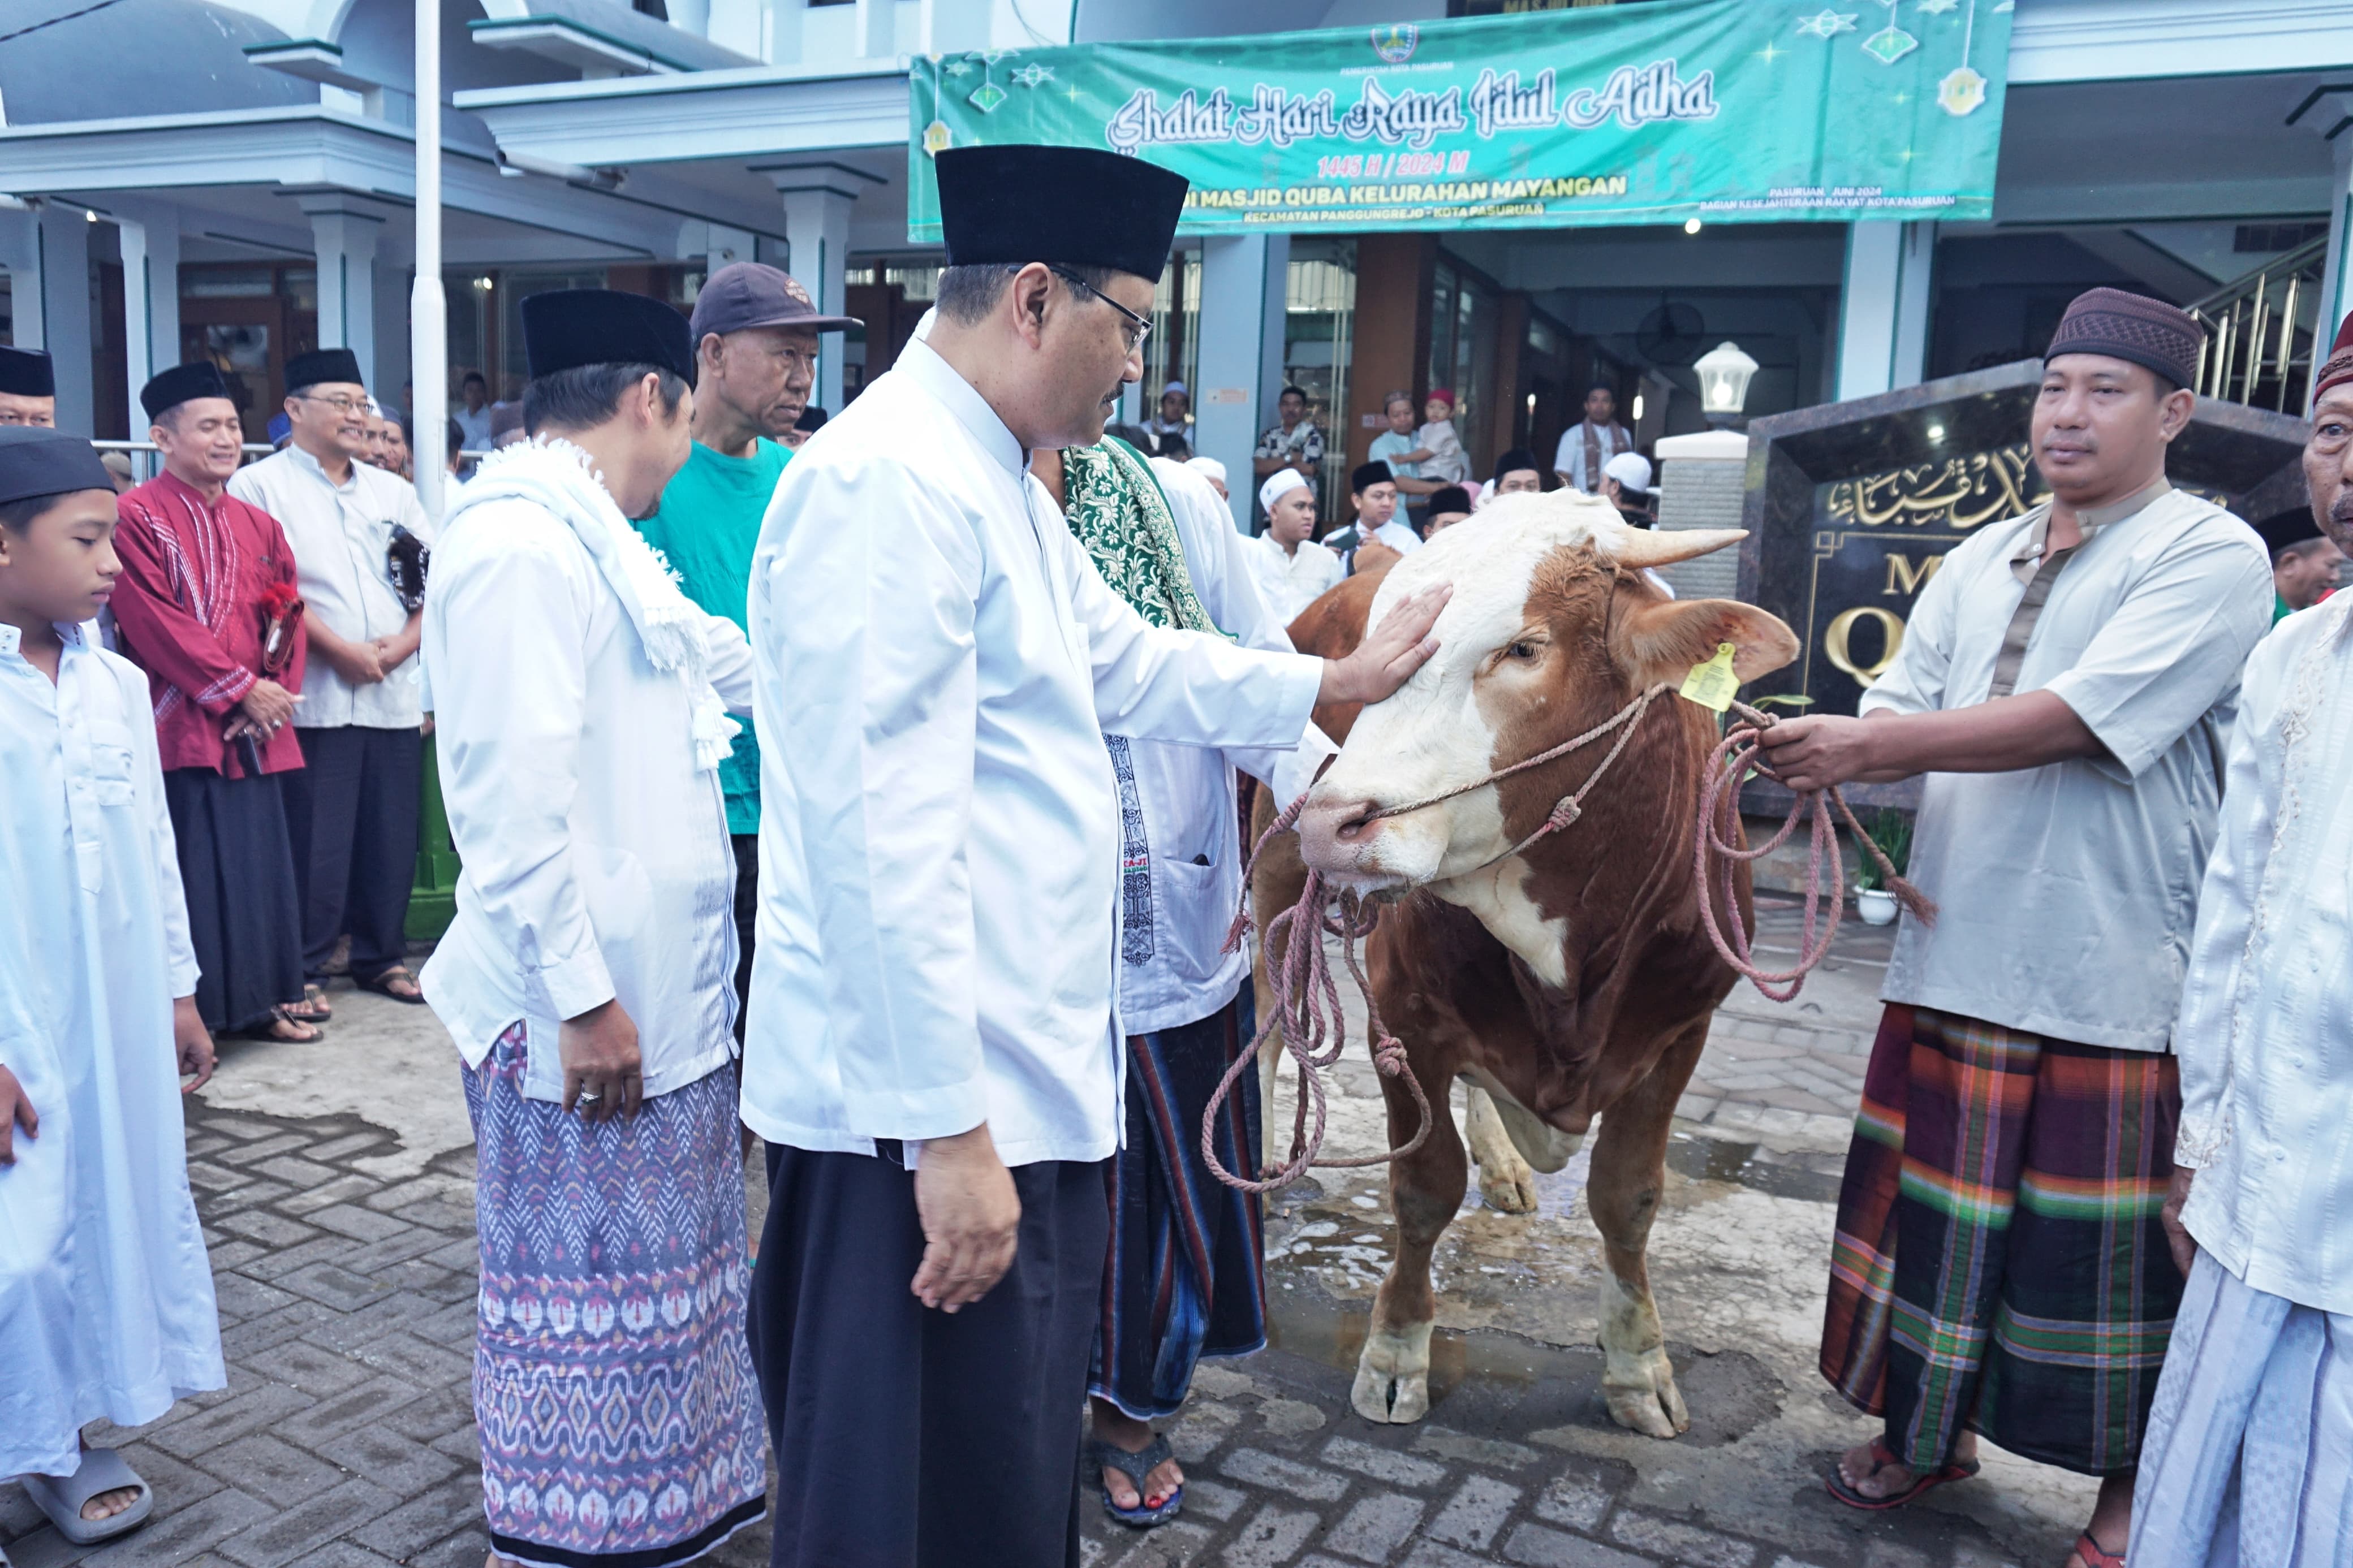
{"type": "Point", "coordinates": [1661, 642]}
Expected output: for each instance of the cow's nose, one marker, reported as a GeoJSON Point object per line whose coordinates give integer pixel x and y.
{"type": "Point", "coordinates": [1334, 835]}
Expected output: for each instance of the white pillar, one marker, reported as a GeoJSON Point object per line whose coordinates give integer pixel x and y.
{"type": "Point", "coordinates": [428, 334]}
{"type": "Point", "coordinates": [874, 30]}
{"type": "Point", "coordinates": [345, 245]}
{"type": "Point", "coordinates": [1239, 365]}
{"type": "Point", "coordinates": [952, 27]}
{"type": "Point", "coordinates": [1884, 307]}
{"type": "Point", "coordinates": [2336, 268]}
{"type": "Point", "coordinates": [65, 311]}
{"type": "Point", "coordinates": [816, 229]}
{"type": "Point", "coordinates": [20, 258]}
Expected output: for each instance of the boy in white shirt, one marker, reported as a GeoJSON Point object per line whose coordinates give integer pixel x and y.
{"type": "Point", "coordinates": [106, 1298]}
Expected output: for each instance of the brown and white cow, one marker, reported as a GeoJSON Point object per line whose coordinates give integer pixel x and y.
{"type": "Point", "coordinates": [1573, 981]}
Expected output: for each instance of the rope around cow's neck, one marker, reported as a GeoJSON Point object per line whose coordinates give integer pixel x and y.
{"type": "Point", "coordinates": [1306, 1016]}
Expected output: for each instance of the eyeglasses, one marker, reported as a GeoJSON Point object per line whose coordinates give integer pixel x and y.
{"type": "Point", "coordinates": [340, 404]}
{"type": "Point", "coordinates": [1139, 328]}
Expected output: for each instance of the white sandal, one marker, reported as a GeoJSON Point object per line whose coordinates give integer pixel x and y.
{"type": "Point", "coordinates": [62, 1498]}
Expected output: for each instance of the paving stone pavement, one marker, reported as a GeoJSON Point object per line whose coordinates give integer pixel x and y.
{"type": "Point", "coordinates": [345, 1438]}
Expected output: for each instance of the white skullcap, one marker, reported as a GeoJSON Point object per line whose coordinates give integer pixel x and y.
{"type": "Point", "coordinates": [1175, 386]}
{"type": "Point", "coordinates": [1207, 467]}
{"type": "Point", "coordinates": [1631, 470]}
{"type": "Point", "coordinates": [1279, 484]}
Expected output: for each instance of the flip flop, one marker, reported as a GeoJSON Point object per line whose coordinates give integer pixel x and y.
{"type": "Point", "coordinates": [314, 1007]}
{"type": "Point", "coordinates": [62, 1497]}
{"type": "Point", "coordinates": [2095, 1555]}
{"type": "Point", "coordinates": [1883, 1456]}
{"type": "Point", "coordinates": [382, 985]}
{"type": "Point", "coordinates": [1136, 1467]}
{"type": "Point", "coordinates": [312, 1033]}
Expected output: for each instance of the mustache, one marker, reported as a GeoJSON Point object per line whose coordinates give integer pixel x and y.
{"type": "Point", "coordinates": [2340, 510]}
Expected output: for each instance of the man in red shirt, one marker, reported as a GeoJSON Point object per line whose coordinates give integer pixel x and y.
{"type": "Point", "coordinates": [207, 605]}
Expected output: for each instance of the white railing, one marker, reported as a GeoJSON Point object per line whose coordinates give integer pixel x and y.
{"type": "Point", "coordinates": [2261, 331]}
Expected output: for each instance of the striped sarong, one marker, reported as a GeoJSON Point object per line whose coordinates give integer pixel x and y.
{"type": "Point", "coordinates": [1999, 1263]}
{"type": "Point", "coordinates": [1185, 1274]}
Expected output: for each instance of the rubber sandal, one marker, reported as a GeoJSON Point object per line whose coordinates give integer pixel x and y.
{"type": "Point", "coordinates": [1883, 1456]}
{"type": "Point", "coordinates": [314, 1007]}
{"type": "Point", "coordinates": [382, 985]}
{"type": "Point", "coordinates": [2095, 1555]}
{"type": "Point", "coordinates": [268, 1031]}
{"type": "Point", "coordinates": [1136, 1467]}
{"type": "Point", "coordinates": [62, 1497]}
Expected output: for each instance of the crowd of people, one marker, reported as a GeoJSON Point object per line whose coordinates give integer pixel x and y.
{"type": "Point", "coordinates": [792, 788]}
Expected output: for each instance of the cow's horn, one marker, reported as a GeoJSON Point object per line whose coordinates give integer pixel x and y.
{"type": "Point", "coordinates": [1663, 547]}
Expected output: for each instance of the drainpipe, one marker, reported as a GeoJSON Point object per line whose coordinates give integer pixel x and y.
{"type": "Point", "coordinates": [428, 338]}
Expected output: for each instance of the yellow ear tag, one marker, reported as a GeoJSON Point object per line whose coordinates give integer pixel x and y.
{"type": "Point", "coordinates": [1711, 685]}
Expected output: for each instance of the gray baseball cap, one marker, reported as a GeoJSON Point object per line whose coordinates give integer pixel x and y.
{"type": "Point", "coordinates": [753, 294]}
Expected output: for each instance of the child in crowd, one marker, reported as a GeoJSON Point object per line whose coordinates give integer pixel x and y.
{"type": "Point", "coordinates": [106, 1297]}
{"type": "Point", "coordinates": [1438, 451]}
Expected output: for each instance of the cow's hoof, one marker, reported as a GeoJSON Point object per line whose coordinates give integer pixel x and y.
{"type": "Point", "coordinates": [1512, 1190]}
{"type": "Point", "coordinates": [1643, 1396]}
{"type": "Point", "coordinates": [1393, 1375]}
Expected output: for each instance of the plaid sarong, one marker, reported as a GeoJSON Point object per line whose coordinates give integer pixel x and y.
{"type": "Point", "coordinates": [1999, 1263]}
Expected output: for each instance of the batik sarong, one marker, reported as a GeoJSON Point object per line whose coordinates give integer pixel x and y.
{"type": "Point", "coordinates": [2249, 1451]}
{"type": "Point", "coordinates": [1185, 1276]}
{"type": "Point", "coordinates": [1999, 1263]}
{"type": "Point", "coordinates": [620, 1420]}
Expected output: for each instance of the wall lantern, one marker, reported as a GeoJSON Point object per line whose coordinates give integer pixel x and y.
{"type": "Point", "coordinates": [1723, 375]}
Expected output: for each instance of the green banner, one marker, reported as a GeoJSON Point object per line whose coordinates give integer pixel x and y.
{"type": "Point", "coordinates": [1726, 111]}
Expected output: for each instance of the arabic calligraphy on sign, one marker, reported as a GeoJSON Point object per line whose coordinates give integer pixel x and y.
{"type": "Point", "coordinates": [1955, 495]}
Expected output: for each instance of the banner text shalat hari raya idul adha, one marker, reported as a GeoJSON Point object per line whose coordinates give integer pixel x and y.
{"type": "Point", "coordinates": [1722, 109]}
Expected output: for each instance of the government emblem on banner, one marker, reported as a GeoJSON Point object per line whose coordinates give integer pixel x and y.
{"type": "Point", "coordinates": [1396, 43]}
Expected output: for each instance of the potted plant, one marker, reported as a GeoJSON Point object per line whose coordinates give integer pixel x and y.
{"type": "Point", "coordinates": [1890, 830]}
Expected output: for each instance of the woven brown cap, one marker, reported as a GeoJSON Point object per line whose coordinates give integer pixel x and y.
{"type": "Point", "coordinates": [2131, 327]}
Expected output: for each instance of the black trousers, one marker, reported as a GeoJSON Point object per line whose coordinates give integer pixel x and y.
{"type": "Point", "coordinates": [906, 1437]}
{"type": "Point", "coordinates": [748, 918]}
{"type": "Point", "coordinates": [351, 815]}
{"type": "Point", "coordinates": [238, 875]}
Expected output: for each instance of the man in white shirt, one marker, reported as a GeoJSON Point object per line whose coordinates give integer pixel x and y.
{"type": "Point", "coordinates": [359, 538]}
{"type": "Point", "coordinates": [1587, 445]}
{"type": "Point", "coordinates": [472, 416]}
{"type": "Point", "coordinates": [2253, 1421]}
{"type": "Point", "coordinates": [1185, 1274]}
{"type": "Point", "coordinates": [1372, 491]}
{"type": "Point", "coordinates": [1292, 570]}
{"type": "Point", "coordinates": [2065, 685]}
{"type": "Point", "coordinates": [579, 703]}
{"type": "Point", "coordinates": [934, 1052]}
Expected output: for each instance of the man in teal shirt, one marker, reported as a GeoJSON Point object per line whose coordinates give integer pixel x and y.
{"type": "Point", "coordinates": [755, 335]}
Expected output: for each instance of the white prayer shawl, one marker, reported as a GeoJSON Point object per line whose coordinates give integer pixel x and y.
{"type": "Point", "coordinates": [106, 1297]}
{"type": "Point", "coordinates": [579, 741]}
{"type": "Point", "coordinates": [938, 661]}
{"type": "Point", "coordinates": [2265, 1034]}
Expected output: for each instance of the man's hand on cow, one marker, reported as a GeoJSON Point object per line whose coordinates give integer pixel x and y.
{"type": "Point", "coordinates": [971, 1217]}
{"type": "Point", "coordinates": [1819, 750]}
{"type": "Point", "coordinates": [1389, 654]}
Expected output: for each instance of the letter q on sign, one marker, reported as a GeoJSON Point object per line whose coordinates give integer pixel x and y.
{"type": "Point", "coordinates": [1837, 634]}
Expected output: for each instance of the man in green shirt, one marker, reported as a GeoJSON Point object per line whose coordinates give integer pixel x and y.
{"type": "Point", "coordinates": [755, 335]}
